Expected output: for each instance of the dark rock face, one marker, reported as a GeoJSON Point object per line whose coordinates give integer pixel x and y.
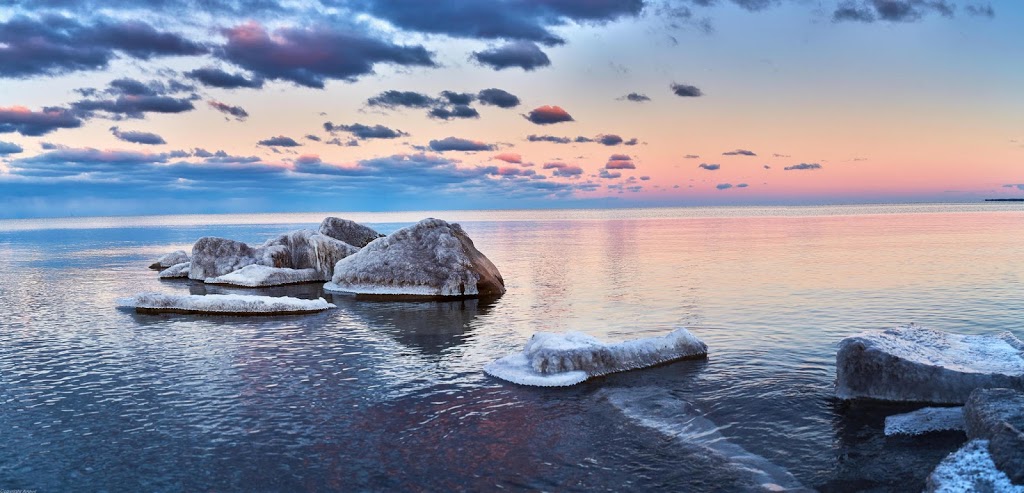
{"type": "Point", "coordinates": [350, 232]}
{"type": "Point", "coordinates": [430, 259]}
{"type": "Point", "coordinates": [915, 364]}
{"type": "Point", "coordinates": [213, 257]}
{"type": "Point", "coordinates": [997, 415]}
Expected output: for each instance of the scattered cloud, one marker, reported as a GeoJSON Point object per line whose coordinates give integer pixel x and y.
{"type": "Point", "coordinates": [894, 10]}
{"type": "Point", "coordinates": [564, 170]}
{"type": "Point", "coordinates": [686, 91]}
{"type": "Point", "coordinates": [604, 173]}
{"type": "Point", "coordinates": [236, 111]}
{"type": "Point", "coordinates": [709, 167]}
{"type": "Point", "coordinates": [396, 99]}
{"type": "Point", "coordinates": [458, 98]}
{"type": "Point", "coordinates": [457, 111]}
{"type": "Point", "coordinates": [34, 123]}
{"type": "Point", "coordinates": [619, 161]}
{"type": "Point", "coordinates": [8, 148]}
{"type": "Point", "coordinates": [137, 137]}
{"type": "Point", "coordinates": [1018, 186]}
{"type": "Point", "coordinates": [364, 132]}
{"type": "Point", "coordinates": [691, 156]}
{"type": "Point", "coordinates": [739, 152]}
{"type": "Point", "coordinates": [802, 166]}
{"type": "Point", "coordinates": [546, 115]}
{"type": "Point", "coordinates": [279, 141]}
{"type": "Point", "coordinates": [981, 10]}
{"type": "Point", "coordinates": [459, 144]}
{"type": "Point", "coordinates": [215, 77]}
{"type": "Point", "coordinates": [523, 54]}
{"type": "Point", "coordinates": [635, 97]}
{"type": "Point", "coordinates": [548, 138]}
{"type": "Point", "coordinates": [723, 186]}
{"type": "Point", "coordinates": [498, 97]}
{"type": "Point", "coordinates": [509, 157]}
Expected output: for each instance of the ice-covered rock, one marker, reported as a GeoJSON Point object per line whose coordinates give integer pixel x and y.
{"type": "Point", "coordinates": [917, 364]}
{"type": "Point", "coordinates": [176, 271]}
{"type": "Point", "coordinates": [223, 304]}
{"type": "Point", "coordinates": [257, 276]}
{"type": "Point", "coordinates": [657, 408]}
{"type": "Point", "coordinates": [302, 249]}
{"type": "Point", "coordinates": [555, 360]}
{"type": "Point", "coordinates": [970, 469]}
{"type": "Point", "coordinates": [428, 259]}
{"type": "Point", "coordinates": [214, 257]}
{"type": "Point", "coordinates": [997, 416]}
{"type": "Point", "coordinates": [350, 232]}
{"type": "Point", "coordinates": [169, 260]}
{"type": "Point", "coordinates": [925, 420]}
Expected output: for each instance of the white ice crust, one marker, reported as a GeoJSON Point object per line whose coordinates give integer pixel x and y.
{"type": "Point", "coordinates": [925, 420]}
{"type": "Point", "coordinates": [659, 409]}
{"type": "Point", "coordinates": [255, 275]}
{"type": "Point", "coordinates": [963, 353]}
{"type": "Point", "coordinates": [970, 469]}
{"type": "Point", "coordinates": [556, 360]}
{"type": "Point", "coordinates": [224, 303]}
{"type": "Point", "coordinates": [176, 271]}
{"type": "Point", "coordinates": [171, 259]}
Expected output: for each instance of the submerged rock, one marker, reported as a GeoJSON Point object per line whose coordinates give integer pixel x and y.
{"type": "Point", "coordinates": [350, 232]}
{"type": "Point", "coordinates": [997, 416]}
{"type": "Point", "coordinates": [970, 469]}
{"type": "Point", "coordinates": [257, 276]}
{"type": "Point", "coordinates": [169, 260]}
{"type": "Point", "coordinates": [916, 364]}
{"type": "Point", "coordinates": [431, 258]}
{"type": "Point", "coordinates": [555, 360]}
{"type": "Point", "coordinates": [223, 304]}
{"type": "Point", "coordinates": [176, 271]}
{"type": "Point", "coordinates": [925, 420]}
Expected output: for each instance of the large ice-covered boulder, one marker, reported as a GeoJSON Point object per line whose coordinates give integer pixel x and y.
{"type": "Point", "coordinates": [223, 304]}
{"type": "Point", "coordinates": [169, 260]}
{"type": "Point", "coordinates": [556, 360]}
{"type": "Point", "coordinates": [916, 364]}
{"type": "Point", "coordinates": [431, 258]}
{"type": "Point", "coordinates": [350, 232]}
{"type": "Point", "coordinates": [176, 271]}
{"type": "Point", "coordinates": [214, 258]}
{"type": "Point", "coordinates": [997, 416]}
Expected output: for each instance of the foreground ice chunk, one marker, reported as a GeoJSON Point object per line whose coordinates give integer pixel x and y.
{"type": "Point", "coordinates": [256, 276]}
{"type": "Point", "coordinates": [428, 259]}
{"type": "Point", "coordinates": [555, 360]}
{"type": "Point", "coordinates": [176, 271]}
{"type": "Point", "coordinates": [997, 415]}
{"type": "Point", "coordinates": [223, 304]}
{"type": "Point", "coordinates": [925, 420]}
{"type": "Point", "coordinates": [970, 469]}
{"type": "Point", "coordinates": [916, 364]}
{"type": "Point", "coordinates": [657, 408]}
{"type": "Point", "coordinates": [169, 260]}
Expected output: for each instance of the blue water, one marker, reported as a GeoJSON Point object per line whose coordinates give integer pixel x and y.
{"type": "Point", "coordinates": [388, 396]}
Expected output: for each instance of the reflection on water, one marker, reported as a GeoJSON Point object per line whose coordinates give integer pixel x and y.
{"type": "Point", "coordinates": [379, 395]}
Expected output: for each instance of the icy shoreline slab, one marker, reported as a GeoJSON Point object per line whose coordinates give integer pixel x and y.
{"type": "Point", "coordinates": [556, 360]}
{"type": "Point", "coordinates": [970, 469]}
{"type": "Point", "coordinates": [258, 276]}
{"type": "Point", "coordinates": [925, 420]}
{"type": "Point", "coordinates": [223, 304]}
{"type": "Point", "coordinates": [916, 364]}
{"type": "Point", "coordinates": [176, 271]}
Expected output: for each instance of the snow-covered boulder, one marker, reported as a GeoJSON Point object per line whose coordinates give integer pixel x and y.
{"type": "Point", "coordinates": [555, 360]}
{"type": "Point", "coordinates": [169, 260]}
{"type": "Point", "coordinates": [916, 364]}
{"type": "Point", "coordinates": [213, 257]}
{"type": "Point", "coordinates": [970, 469]}
{"type": "Point", "coordinates": [176, 271]}
{"type": "Point", "coordinates": [305, 249]}
{"type": "Point", "coordinates": [350, 232]}
{"type": "Point", "coordinates": [925, 420]}
{"type": "Point", "coordinates": [223, 304]}
{"type": "Point", "coordinates": [257, 276]}
{"type": "Point", "coordinates": [997, 416]}
{"type": "Point", "coordinates": [431, 258]}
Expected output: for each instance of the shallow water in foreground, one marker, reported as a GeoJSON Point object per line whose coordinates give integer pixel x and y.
{"type": "Point", "coordinates": [391, 396]}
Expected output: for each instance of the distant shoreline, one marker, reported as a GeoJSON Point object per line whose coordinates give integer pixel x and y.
{"type": "Point", "coordinates": [1004, 200]}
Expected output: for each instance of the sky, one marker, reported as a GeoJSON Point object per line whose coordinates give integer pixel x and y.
{"type": "Point", "coordinates": [127, 107]}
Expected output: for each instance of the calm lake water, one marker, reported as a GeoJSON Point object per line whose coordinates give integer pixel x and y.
{"type": "Point", "coordinates": [388, 396]}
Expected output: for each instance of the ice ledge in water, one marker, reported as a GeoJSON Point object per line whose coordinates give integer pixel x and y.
{"type": "Point", "coordinates": [223, 304]}
{"type": "Point", "coordinates": [925, 420]}
{"type": "Point", "coordinates": [557, 360]}
{"type": "Point", "coordinates": [379, 289]}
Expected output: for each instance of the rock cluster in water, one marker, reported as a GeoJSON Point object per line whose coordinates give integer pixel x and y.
{"type": "Point", "coordinates": [430, 259]}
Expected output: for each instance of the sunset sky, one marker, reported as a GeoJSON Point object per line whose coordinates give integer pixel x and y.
{"type": "Point", "coordinates": [118, 107]}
